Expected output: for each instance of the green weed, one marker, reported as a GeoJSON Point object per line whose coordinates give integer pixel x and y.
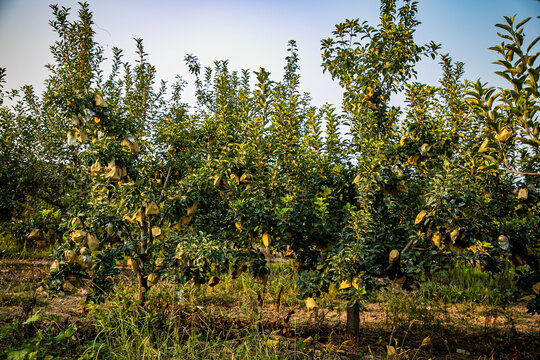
{"type": "Point", "coordinates": [403, 310]}
{"type": "Point", "coordinates": [25, 300]}
{"type": "Point", "coordinates": [11, 248]}
{"type": "Point", "coordinates": [464, 284]}
{"type": "Point", "coordinates": [163, 330]}
{"type": "Point", "coordinates": [35, 339]}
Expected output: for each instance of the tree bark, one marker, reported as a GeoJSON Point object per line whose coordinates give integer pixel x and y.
{"type": "Point", "coordinates": [143, 287]}
{"type": "Point", "coordinates": [353, 320]}
{"type": "Point", "coordinates": [141, 278]}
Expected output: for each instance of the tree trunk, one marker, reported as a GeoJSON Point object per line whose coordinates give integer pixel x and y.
{"type": "Point", "coordinates": [353, 320]}
{"type": "Point", "coordinates": [141, 278]}
{"type": "Point", "coordinates": [143, 287]}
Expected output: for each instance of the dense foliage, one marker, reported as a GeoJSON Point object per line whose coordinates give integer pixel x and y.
{"type": "Point", "coordinates": [120, 171]}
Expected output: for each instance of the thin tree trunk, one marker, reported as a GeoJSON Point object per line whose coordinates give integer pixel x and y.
{"type": "Point", "coordinates": [353, 320]}
{"type": "Point", "coordinates": [143, 287]}
{"type": "Point", "coordinates": [141, 278]}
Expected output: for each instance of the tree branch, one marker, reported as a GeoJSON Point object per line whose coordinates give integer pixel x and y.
{"type": "Point", "coordinates": [164, 186]}
{"type": "Point", "coordinates": [505, 162]}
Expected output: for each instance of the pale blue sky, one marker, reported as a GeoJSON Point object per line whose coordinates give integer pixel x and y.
{"type": "Point", "coordinates": [252, 34]}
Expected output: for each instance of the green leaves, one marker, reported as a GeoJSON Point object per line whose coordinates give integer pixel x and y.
{"type": "Point", "coordinates": [374, 67]}
{"type": "Point", "coordinates": [514, 109]}
{"type": "Point", "coordinates": [188, 194]}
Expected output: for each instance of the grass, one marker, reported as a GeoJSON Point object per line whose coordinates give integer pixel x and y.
{"type": "Point", "coordinates": [9, 248]}
{"type": "Point", "coordinates": [448, 298]}
{"type": "Point", "coordinates": [123, 334]}
{"type": "Point", "coordinates": [465, 284]}
{"type": "Point", "coordinates": [403, 310]}
{"type": "Point", "coordinates": [12, 248]}
{"type": "Point", "coordinates": [24, 300]}
{"type": "Point", "coordinates": [39, 337]}
{"type": "Point", "coordinates": [279, 291]}
{"type": "Point", "coordinates": [18, 287]}
{"type": "Point", "coordinates": [199, 324]}
{"type": "Point", "coordinates": [166, 329]}
{"type": "Point", "coordinates": [228, 322]}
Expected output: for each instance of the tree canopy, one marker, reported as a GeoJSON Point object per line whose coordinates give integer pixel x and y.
{"type": "Point", "coordinates": [112, 165]}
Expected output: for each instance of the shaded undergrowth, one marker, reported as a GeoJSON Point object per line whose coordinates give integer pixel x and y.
{"type": "Point", "coordinates": [457, 314]}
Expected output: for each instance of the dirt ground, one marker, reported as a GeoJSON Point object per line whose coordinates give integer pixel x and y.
{"type": "Point", "coordinates": [460, 332]}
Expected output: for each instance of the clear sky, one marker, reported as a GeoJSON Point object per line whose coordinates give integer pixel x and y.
{"type": "Point", "coordinates": [252, 34]}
